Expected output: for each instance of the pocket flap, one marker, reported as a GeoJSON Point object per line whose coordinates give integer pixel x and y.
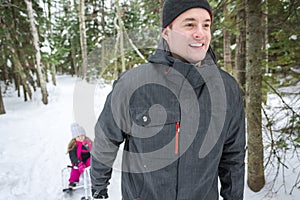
{"type": "Point", "coordinates": [156, 115]}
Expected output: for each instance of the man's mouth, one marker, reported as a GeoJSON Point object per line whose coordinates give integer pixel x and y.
{"type": "Point", "coordinates": [197, 45]}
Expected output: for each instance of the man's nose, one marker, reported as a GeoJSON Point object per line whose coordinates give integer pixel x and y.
{"type": "Point", "coordinates": [198, 33]}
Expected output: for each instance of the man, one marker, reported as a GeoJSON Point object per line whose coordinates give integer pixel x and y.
{"type": "Point", "coordinates": [180, 117]}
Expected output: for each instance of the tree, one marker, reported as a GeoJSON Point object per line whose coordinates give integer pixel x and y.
{"type": "Point", "coordinates": [35, 35]}
{"type": "Point", "coordinates": [227, 43]}
{"type": "Point", "coordinates": [121, 35]}
{"type": "Point", "coordinates": [254, 45]}
{"type": "Point", "coordinates": [2, 109]}
{"type": "Point", "coordinates": [20, 77]}
{"type": "Point", "coordinates": [83, 43]}
{"type": "Point", "coordinates": [240, 52]}
{"type": "Point", "coordinates": [137, 22]}
{"type": "Point", "coordinates": [15, 47]}
{"type": "Point", "coordinates": [48, 31]}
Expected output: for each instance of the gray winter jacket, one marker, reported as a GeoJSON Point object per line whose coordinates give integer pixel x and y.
{"type": "Point", "coordinates": [183, 126]}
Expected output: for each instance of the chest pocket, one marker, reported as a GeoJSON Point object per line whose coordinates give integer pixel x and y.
{"type": "Point", "coordinates": [154, 111]}
{"type": "Point", "coordinates": [154, 128]}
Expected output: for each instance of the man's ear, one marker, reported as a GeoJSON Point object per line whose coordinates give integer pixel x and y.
{"type": "Point", "coordinates": [165, 33]}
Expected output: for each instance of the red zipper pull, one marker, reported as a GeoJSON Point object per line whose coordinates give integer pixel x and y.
{"type": "Point", "coordinates": [177, 138]}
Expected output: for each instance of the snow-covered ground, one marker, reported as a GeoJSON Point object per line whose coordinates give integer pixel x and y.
{"type": "Point", "coordinates": [34, 139]}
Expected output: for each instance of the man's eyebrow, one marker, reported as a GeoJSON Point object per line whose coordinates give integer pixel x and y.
{"type": "Point", "coordinates": [193, 19]}
{"type": "Point", "coordinates": [189, 19]}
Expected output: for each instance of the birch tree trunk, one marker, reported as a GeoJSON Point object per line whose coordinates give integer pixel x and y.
{"type": "Point", "coordinates": [121, 35]}
{"type": "Point", "coordinates": [254, 44]}
{"type": "Point", "coordinates": [38, 53]}
{"type": "Point", "coordinates": [116, 50]}
{"type": "Point", "coordinates": [240, 53]}
{"type": "Point", "coordinates": [83, 38]}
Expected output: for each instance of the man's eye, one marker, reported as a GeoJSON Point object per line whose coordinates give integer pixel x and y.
{"type": "Point", "coordinates": [206, 25]}
{"type": "Point", "coordinates": [189, 25]}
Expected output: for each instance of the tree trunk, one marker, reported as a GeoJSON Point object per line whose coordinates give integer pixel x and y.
{"type": "Point", "coordinates": [74, 60]}
{"type": "Point", "coordinates": [256, 179]}
{"type": "Point", "coordinates": [161, 4]}
{"type": "Point", "coordinates": [38, 53]}
{"type": "Point", "coordinates": [266, 36]}
{"type": "Point", "coordinates": [226, 44]}
{"type": "Point", "coordinates": [46, 68]}
{"type": "Point", "coordinates": [51, 64]}
{"type": "Point", "coordinates": [20, 75]}
{"type": "Point", "coordinates": [4, 67]}
{"type": "Point", "coordinates": [53, 73]}
{"type": "Point", "coordinates": [121, 33]}
{"type": "Point", "coordinates": [2, 109]}
{"type": "Point", "coordinates": [240, 53]}
{"type": "Point", "coordinates": [83, 38]}
{"type": "Point", "coordinates": [103, 14]}
{"type": "Point", "coordinates": [16, 80]}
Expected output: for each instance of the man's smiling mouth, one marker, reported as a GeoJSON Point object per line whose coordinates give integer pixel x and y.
{"type": "Point", "coordinates": [197, 45]}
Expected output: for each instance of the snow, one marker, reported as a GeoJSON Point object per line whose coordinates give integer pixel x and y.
{"type": "Point", "coordinates": [293, 37]}
{"type": "Point", "coordinates": [34, 139]}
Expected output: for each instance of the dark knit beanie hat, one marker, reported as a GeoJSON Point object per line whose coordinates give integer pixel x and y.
{"type": "Point", "coordinates": [173, 8]}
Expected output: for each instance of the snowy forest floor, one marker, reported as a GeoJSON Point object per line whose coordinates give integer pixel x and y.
{"type": "Point", "coordinates": [34, 140]}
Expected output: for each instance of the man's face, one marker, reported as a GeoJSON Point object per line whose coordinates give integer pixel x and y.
{"type": "Point", "coordinates": [188, 36]}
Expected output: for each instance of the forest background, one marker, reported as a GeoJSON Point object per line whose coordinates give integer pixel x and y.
{"type": "Point", "coordinates": [256, 41]}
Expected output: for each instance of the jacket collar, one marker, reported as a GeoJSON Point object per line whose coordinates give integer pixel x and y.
{"type": "Point", "coordinates": [163, 56]}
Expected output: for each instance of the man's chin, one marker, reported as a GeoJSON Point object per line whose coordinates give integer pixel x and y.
{"type": "Point", "coordinates": [196, 61]}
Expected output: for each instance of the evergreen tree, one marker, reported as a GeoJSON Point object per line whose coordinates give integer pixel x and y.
{"type": "Point", "coordinates": [256, 179]}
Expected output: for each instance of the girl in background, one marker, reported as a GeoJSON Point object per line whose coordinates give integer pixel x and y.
{"type": "Point", "coordinates": [79, 151]}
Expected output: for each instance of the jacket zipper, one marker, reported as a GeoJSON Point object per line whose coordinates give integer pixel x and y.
{"type": "Point", "coordinates": [177, 138]}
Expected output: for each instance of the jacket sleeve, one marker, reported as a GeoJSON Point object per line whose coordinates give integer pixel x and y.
{"type": "Point", "coordinates": [232, 164]}
{"type": "Point", "coordinates": [73, 156]}
{"type": "Point", "coordinates": [108, 137]}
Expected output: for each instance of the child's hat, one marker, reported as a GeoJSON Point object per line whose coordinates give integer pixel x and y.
{"type": "Point", "coordinates": [77, 130]}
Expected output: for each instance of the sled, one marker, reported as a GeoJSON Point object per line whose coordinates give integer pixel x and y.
{"type": "Point", "coordinates": [83, 184]}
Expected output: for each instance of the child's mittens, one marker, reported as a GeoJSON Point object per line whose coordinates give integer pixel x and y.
{"type": "Point", "coordinates": [81, 167]}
